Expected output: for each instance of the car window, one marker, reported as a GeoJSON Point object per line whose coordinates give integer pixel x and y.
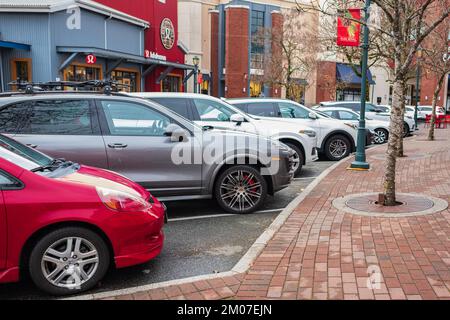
{"type": "Point", "coordinates": [371, 108]}
{"type": "Point", "coordinates": [346, 115]}
{"type": "Point", "coordinates": [289, 110]}
{"type": "Point", "coordinates": [7, 182]}
{"type": "Point", "coordinates": [241, 106]}
{"type": "Point", "coordinates": [12, 117]}
{"type": "Point", "coordinates": [17, 159]}
{"type": "Point", "coordinates": [209, 110]}
{"type": "Point", "coordinates": [177, 105]}
{"type": "Point", "coordinates": [130, 119]}
{"type": "Point", "coordinates": [262, 109]}
{"type": "Point", "coordinates": [328, 114]}
{"type": "Point", "coordinates": [59, 117]}
{"type": "Point", "coordinates": [24, 151]}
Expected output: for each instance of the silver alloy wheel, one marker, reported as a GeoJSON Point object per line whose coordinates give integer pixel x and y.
{"type": "Point", "coordinates": [380, 136]}
{"type": "Point", "coordinates": [240, 190]}
{"type": "Point", "coordinates": [338, 148]}
{"type": "Point", "coordinates": [70, 262]}
{"type": "Point", "coordinates": [295, 161]}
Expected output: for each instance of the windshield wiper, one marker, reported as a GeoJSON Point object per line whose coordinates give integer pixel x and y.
{"type": "Point", "coordinates": [55, 164]}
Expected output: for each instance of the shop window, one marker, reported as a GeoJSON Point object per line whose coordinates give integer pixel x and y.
{"type": "Point", "coordinates": [257, 40]}
{"type": "Point", "coordinates": [171, 84]}
{"type": "Point", "coordinates": [21, 70]}
{"type": "Point", "coordinates": [81, 73]}
{"type": "Point", "coordinates": [129, 80]}
{"type": "Point", "coordinates": [256, 89]}
{"type": "Point", "coordinates": [349, 94]}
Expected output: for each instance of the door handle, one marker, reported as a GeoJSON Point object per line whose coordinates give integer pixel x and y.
{"type": "Point", "coordinates": [32, 145]}
{"type": "Point", "coordinates": [117, 145]}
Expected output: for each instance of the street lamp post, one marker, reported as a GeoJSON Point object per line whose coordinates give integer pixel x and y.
{"type": "Point", "coordinates": [360, 162]}
{"type": "Point", "coordinates": [419, 54]}
{"type": "Point", "coordinates": [196, 61]}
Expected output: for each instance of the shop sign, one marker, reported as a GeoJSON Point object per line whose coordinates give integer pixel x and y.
{"type": "Point", "coordinates": [91, 59]}
{"type": "Point", "coordinates": [153, 55]}
{"type": "Point", "coordinates": [348, 29]}
{"type": "Point", "coordinates": [167, 32]}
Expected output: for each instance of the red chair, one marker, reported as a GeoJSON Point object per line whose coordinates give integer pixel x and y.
{"type": "Point", "coordinates": [427, 120]}
{"type": "Point", "coordinates": [441, 121]}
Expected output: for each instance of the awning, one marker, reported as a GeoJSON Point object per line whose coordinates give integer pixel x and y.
{"type": "Point", "coordinates": [115, 55]}
{"type": "Point", "coordinates": [346, 74]}
{"type": "Point", "coordinates": [14, 45]}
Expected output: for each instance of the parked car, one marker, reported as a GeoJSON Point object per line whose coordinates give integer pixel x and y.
{"type": "Point", "coordinates": [424, 111]}
{"type": "Point", "coordinates": [372, 112]}
{"type": "Point", "coordinates": [209, 111]}
{"type": "Point", "coordinates": [379, 128]}
{"type": "Point", "coordinates": [65, 224]}
{"type": "Point", "coordinates": [335, 139]}
{"type": "Point", "coordinates": [137, 139]}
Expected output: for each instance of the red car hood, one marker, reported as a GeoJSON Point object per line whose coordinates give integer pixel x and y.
{"type": "Point", "coordinates": [106, 179]}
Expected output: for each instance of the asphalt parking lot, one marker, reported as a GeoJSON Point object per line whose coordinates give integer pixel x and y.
{"type": "Point", "coordinates": [200, 239]}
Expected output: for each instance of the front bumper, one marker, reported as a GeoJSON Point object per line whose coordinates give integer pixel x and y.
{"type": "Point", "coordinates": [369, 137]}
{"type": "Point", "coordinates": [285, 173]}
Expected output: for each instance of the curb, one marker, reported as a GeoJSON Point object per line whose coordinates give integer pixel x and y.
{"type": "Point", "coordinates": [245, 262]}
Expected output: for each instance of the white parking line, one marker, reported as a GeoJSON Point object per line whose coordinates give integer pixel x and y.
{"type": "Point", "coordinates": [220, 215]}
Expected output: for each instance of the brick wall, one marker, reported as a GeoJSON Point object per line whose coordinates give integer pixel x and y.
{"type": "Point", "coordinates": [277, 28]}
{"type": "Point", "coordinates": [236, 48]}
{"type": "Point", "coordinates": [326, 81]}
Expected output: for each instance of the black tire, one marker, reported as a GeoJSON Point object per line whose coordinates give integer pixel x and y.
{"type": "Point", "coordinates": [36, 270]}
{"type": "Point", "coordinates": [300, 156]}
{"type": "Point", "coordinates": [225, 195]}
{"type": "Point", "coordinates": [405, 130]}
{"type": "Point", "coordinates": [342, 140]}
{"type": "Point", "coordinates": [381, 134]}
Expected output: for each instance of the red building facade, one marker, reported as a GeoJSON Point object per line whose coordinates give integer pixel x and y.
{"type": "Point", "coordinates": [161, 41]}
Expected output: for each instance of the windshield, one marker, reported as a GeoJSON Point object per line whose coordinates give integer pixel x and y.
{"type": "Point", "coordinates": [23, 151]}
{"type": "Point", "coordinates": [26, 163]}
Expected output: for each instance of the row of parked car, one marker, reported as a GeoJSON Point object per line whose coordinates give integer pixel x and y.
{"type": "Point", "coordinates": [64, 221]}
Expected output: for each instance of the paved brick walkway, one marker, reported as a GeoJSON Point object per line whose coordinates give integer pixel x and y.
{"type": "Point", "coordinates": [323, 253]}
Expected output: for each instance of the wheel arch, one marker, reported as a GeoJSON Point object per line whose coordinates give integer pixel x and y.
{"type": "Point", "coordinates": [297, 144]}
{"type": "Point", "coordinates": [339, 132]}
{"type": "Point", "coordinates": [38, 234]}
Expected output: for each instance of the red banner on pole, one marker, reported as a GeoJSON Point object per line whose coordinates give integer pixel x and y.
{"type": "Point", "coordinates": [348, 30]}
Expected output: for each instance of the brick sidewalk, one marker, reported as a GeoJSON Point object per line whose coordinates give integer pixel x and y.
{"type": "Point", "coordinates": [323, 253]}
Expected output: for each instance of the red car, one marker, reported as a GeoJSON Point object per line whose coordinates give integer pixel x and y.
{"type": "Point", "coordinates": [66, 224]}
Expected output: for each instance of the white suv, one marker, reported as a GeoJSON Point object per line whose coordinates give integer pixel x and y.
{"type": "Point", "coordinates": [335, 139]}
{"type": "Point", "coordinates": [379, 128]}
{"type": "Point", "coordinates": [372, 112]}
{"type": "Point", "coordinates": [209, 111]}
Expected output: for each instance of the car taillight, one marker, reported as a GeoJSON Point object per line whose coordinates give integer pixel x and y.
{"type": "Point", "coordinates": [121, 201]}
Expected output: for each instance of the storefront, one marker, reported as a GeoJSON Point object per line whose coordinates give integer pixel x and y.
{"type": "Point", "coordinates": [348, 82]}
{"type": "Point", "coordinates": [160, 41]}
{"type": "Point", "coordinates": [79, 41]}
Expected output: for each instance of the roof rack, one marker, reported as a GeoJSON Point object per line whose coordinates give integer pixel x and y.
{"type": "Point", "coordinates": [107, 86]}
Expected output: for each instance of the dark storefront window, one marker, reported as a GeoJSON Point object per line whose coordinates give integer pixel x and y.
{"type": "Point", "coordinates": [257, 40]}
{"type": "Point", "coordinates": [82, 73]}
{"type": "Point", "coordinates": [171, 84]}
{"type": "Point", "coordinates": [349, 94]}
{"type": "Point", "coordinates": [21, 69]}
{"type": "Point", "coordinates": [128, 79]}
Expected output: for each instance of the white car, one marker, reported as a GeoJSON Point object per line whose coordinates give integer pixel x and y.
{"type": "Point", "coordinates": [424, 111]}
{"type": "Point", "coordinates": [372, 113]}
{"type": "Point", "coordinates": [209, 111]}
{"type": "Point", "coordinates": [379, 128]}
{"type": "Point", "coordinates": [335, 139]}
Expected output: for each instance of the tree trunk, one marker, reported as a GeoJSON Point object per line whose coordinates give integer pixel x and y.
{"type": "Point", "coordinates": [395, 134]}
{"type": "Point", "coordinates": [400, 150]}
{"type": "Point", "coordinates": [433, 113]}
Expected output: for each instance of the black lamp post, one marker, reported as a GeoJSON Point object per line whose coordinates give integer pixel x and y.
{"type": "Point", "coordinates": [360, 162]}
{"type": "Point", "coordinates": [196, 61]}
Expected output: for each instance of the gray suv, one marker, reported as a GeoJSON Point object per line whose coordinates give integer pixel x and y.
{"type": "Point", "coordinates": [150, 144]}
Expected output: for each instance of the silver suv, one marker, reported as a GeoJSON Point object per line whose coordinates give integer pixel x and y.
{"type": "Point", "coordinates": [169, 155]}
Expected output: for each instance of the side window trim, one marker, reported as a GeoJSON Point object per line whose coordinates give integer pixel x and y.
{"type": "Point", "coordinates": [18, 185]}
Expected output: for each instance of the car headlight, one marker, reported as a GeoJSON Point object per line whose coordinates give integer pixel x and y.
{"type": "Point", "coordinates": [351, 125]}
{"type": "Point", "coordinates": [309, 133]}
{"type": "Point", "coordinates": [122, 201]}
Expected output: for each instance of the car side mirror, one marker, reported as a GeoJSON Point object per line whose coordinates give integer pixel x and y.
{"type": "Point", "coordinates": [237, 118]}
{"type": "Point", "coordinates": [176, 133]}
{"type": "Point", "coordinates": [313, 116]}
